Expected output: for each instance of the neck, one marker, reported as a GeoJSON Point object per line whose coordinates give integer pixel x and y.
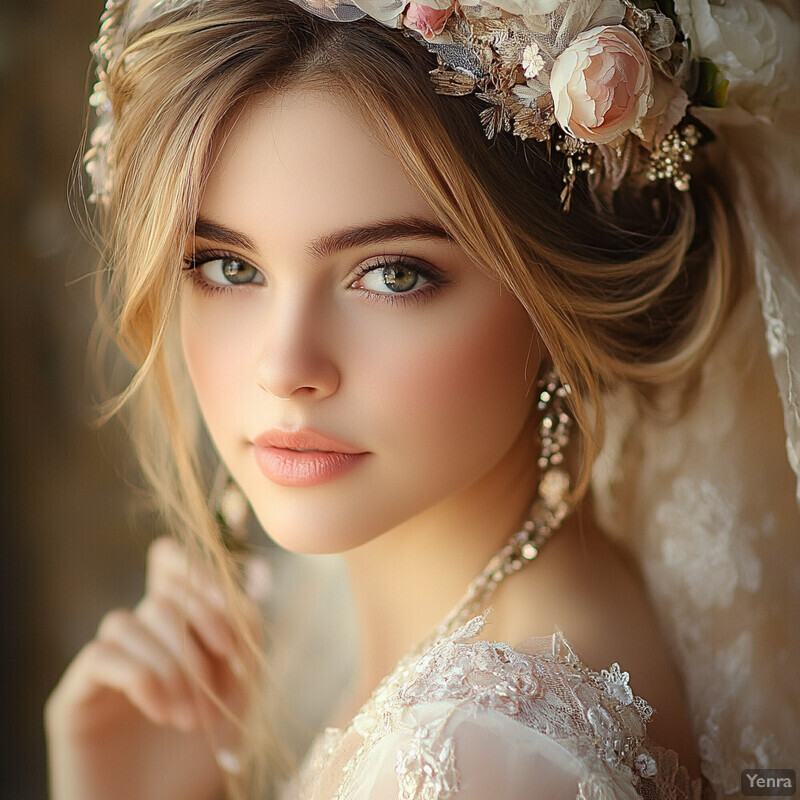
{"type": "Point", "coordinates": [407, 580]}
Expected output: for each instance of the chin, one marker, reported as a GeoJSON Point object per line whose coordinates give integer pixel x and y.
{"type": "Point", "coordinates": [308, 531]}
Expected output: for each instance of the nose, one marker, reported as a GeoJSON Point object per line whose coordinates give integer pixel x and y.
{"type": "Point", "coordinates": [296, 358]}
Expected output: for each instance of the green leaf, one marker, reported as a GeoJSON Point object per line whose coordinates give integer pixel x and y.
{"type": "Point", "coordinates": [712, 87]}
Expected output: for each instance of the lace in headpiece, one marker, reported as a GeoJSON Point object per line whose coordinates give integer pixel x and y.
{"type": "Point", "coordinates": [606, 83]}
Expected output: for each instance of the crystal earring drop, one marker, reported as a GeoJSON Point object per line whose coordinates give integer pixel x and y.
{"type": "Point", "coordinates": [232, 512]}
{"type": "Point", "coordinates": [551, 506]}
{"type": "Point", "coordinates": [556, 421]}
{"type": "Point", "coordinates": [554, 432]}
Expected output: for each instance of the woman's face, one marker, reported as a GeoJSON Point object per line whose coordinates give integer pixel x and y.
{"type": "Point", "coordinates": [354, 369]}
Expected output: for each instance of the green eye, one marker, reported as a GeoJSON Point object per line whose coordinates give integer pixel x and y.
{"type": "Point", "coordinates": [230, 270]}
{"type": "Point", "coordinates": [396, 278]}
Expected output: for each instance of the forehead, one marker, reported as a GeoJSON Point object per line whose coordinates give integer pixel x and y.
{"type": "Point", "coordinates": [304, 159]}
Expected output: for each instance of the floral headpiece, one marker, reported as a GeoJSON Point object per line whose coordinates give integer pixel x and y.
{"type": "Point", "coordinates": [607, 83]}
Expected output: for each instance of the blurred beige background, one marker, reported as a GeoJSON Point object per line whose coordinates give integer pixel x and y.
{"type": "Point", "coordinates": [72, 538]}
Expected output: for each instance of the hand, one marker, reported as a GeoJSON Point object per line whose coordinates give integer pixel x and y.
{"type": "Point", "coordinates": [128, 719]}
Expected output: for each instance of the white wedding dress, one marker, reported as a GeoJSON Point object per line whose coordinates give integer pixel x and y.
{"type": "Point", "coordinates": [477, 720]}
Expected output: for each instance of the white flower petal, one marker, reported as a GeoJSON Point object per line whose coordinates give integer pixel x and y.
{"type": "Point", "coordinates": [381, 10]}
{"type": "Point", "coordinates": [755, 45]}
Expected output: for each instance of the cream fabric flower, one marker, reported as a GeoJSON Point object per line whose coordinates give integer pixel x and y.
{"type": "Point", "coordinates": [667, 110]}
{"type": "Point", "coordinates": [532, 61]}
{"type": "Point", "coordinates": [753, 42]}
{"type": "Point", "coordinates": [601, 84]}
{"type": "Point", "coordinates": [389, 12]}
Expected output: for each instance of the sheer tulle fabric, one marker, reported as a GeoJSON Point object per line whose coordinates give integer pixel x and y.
{"type": "Point", "coordinates": [710, 514]}
{"type": "Point", "coordinates": [709, 506]}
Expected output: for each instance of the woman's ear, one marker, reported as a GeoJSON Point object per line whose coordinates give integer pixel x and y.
{"type": "Point", "coordinates": [539, 363]}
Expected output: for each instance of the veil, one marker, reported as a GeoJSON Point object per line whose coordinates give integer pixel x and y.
{"type": "Point", "coordinates": [709, 506]}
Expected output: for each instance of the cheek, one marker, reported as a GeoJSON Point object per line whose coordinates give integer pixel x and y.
{"type": "Point", "coordinates": [217, 359]}
{"type": "Point", "coordinates": [465, 389]}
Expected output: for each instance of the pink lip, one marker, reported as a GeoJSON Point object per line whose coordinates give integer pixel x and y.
{"type": "Point", "coordinates": [304, 457]}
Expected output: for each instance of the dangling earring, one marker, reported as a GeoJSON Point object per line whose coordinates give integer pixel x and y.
{"type": "Point", "coordinates": [554, 431]}
{"type": "Point", "coordinates": [232, 513]}
{"type": "Point", "coordinates": [551, 506]}
{"type": "Point", "coordinates": [556, 421]}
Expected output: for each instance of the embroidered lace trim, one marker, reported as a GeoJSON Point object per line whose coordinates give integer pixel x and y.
{"type": "Point", "coordinates": [594, 716]}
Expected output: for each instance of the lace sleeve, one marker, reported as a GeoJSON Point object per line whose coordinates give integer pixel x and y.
{"type": "Point", "coordinates": [441, 751]}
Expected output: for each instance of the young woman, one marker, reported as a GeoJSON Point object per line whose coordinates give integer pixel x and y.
{"type": "Point", "coordinates": [406, 265]}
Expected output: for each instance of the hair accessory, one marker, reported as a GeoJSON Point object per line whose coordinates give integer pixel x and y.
{"type": "Point", "coordinates": [549, 509]}
{"type": "Point", "coordinates": [228, 761]}
{"type": "Point", "coordinates": [233, 510]}
{"type": "Point", "coordinates": [605, 83]}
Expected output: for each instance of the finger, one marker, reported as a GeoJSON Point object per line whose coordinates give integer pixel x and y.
{"type": "Point", "coordinates": [206, 670]}
{"type": "Point", "coordinates": [211, 625]}
{"type": "Point", "coordinates": [108, 664]}
{"type": "Point", "coordinates": [169, 623]}
{"type": "Point", "coordinates": [213, 684]}
{"type": "Point", "coordinates": [170, 574]}
{"type": "Point", "coordinates": [144, 646]}
{"type": "Point", "coordinates": [170, 566]}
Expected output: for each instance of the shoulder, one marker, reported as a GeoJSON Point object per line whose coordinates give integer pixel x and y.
{"type": "Point", "coordinates": [594, 592]}
{"type": "Point", "coordinates": [475, 717]}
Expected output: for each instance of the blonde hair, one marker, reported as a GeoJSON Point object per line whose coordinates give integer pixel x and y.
{"type": "Point", "coordinates": [632, 294]}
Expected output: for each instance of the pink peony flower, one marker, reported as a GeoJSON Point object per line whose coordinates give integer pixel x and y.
{"type": "Point", "coordinates": [601, 84]}
{"type": "Point", "coordinates": [429, 22]}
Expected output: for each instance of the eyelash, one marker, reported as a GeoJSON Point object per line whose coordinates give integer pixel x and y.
{"type": "Point", "coordinates": [435, 279]}
{"type": "Point", "coordinates": [191, 268]}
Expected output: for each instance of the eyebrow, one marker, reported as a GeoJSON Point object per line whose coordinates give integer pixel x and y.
{"type": "Point", "coordinates": [214, 232]}
{"type": "Point", "coordinates": [324, 246]}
